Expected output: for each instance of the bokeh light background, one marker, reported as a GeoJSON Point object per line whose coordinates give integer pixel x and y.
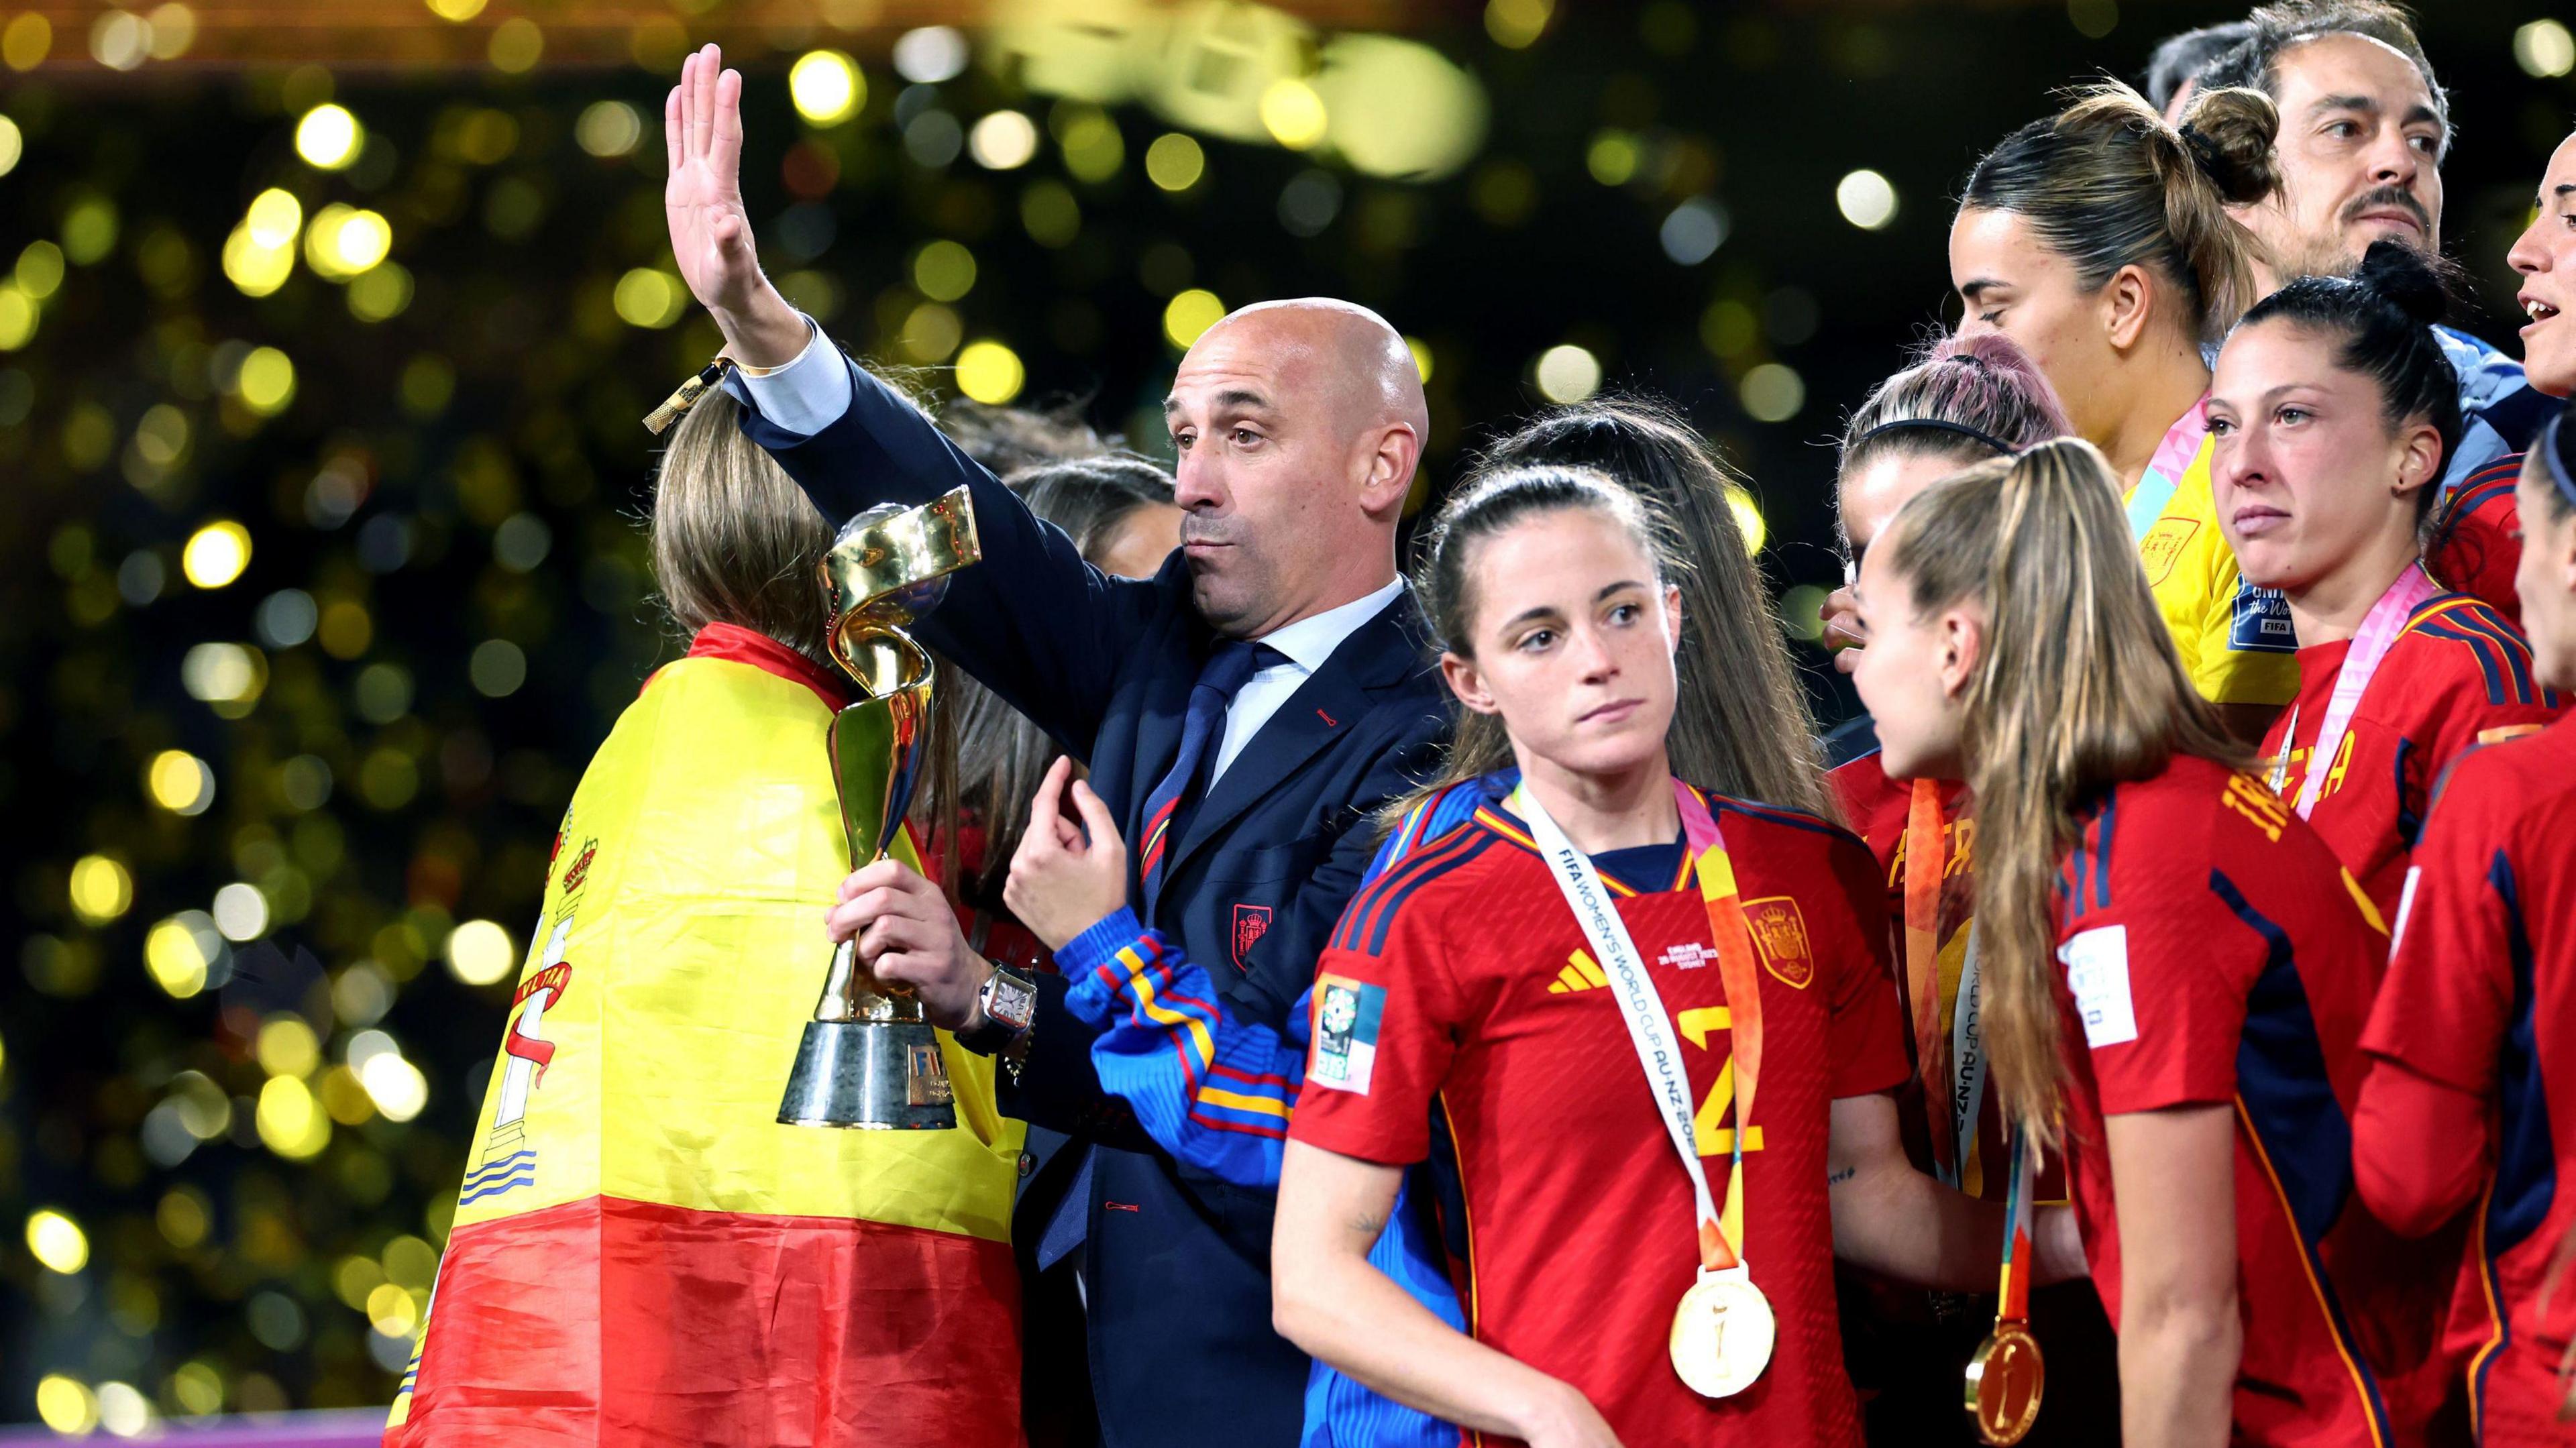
{"type": "Point", "coordinates": [324, 333]}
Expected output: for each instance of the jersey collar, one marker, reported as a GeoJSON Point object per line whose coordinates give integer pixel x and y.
{"type": "Point", "coordinates": [1494, 818]}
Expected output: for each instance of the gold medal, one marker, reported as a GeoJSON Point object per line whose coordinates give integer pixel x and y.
{"type": "Point", "coordinates": [2007, 1375]}
{"type": "Point", "coordinates": [1722, 1334]}
{"type": "Point", "coordinates": [2005, 1380]}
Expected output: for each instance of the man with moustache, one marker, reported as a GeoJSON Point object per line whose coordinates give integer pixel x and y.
{"type": "Point", "coordinates": [2364, 130]}
{"type": "Point", "coordinates": [1243, 714]}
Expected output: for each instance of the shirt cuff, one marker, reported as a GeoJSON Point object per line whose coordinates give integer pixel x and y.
{"type": "Point", "coordinates": [1099, 945]}
{"type": "Point", "coordinates": [802, 396]}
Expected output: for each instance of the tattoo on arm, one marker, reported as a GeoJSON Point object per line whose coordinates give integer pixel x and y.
{"type": "Point", "coordinates": [1835, 1179]}
{"type": "Point", "coordinates": [1368, 1223]}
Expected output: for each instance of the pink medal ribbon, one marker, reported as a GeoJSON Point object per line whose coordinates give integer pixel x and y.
{"type": "Point", "coordinates": [2378, 634]}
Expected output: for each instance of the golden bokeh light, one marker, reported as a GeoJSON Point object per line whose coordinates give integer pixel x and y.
{"type": "Point", "coordinates": [826, 86]}
{"type": "Point", "coordinates": [176, 958]}
{"type": "Point", "coordinates": [179, 782]}
{"type": "Point", "coordinates": [1190, 314]}
{"type": "Point", "coordinates": [1566, 373]}
{"type": "Point", "coordinates": [990, 372]}
{"type": "Point", "coordinates": [66, 1405]}
{"type": "Point", "coordinates": [480, 952]}
{"type": "Point", "coordinates": [1175, 162]}
{"type": "Point", "coordinates": [101, 889]}
{"type": "Point", "coordinates": [57, 1241]}
{"type": "Point", "coordinates": [216, 553]}
{"type": "Point", "coordinates": [291, 1123]}
{"type": "Point", "coordinates": [1748, 519]}
{"type": "Point", "coordinates": [1002, 141]}
{"type": "Point", "coordinates": [329, 137]}
{"type": "Point", "coordinates": [1293, 113]}
{"type": "Point", "coordinates": [266, 384]}
{"type": "Point", "coordinates": [649, 297]}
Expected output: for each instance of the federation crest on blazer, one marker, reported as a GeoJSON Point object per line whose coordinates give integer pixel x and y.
{"type": "Point", "coordinates": [1251, 922]}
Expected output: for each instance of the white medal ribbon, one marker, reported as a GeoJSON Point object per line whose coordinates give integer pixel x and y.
{"type": "Point", "coordinates": [2378, 633]}
{"type": "Point", "coordinates": [1967, 1057]}
{"type": "Point", "coordinates": [1650, 1030]}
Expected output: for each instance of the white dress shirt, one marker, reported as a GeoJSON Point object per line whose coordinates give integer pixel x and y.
{"type": "Point", "coordinates": [803, 396]}
{"type": "Point", "coordinates": [1306, 644]}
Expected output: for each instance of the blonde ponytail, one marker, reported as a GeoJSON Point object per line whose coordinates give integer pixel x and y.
{"type": "Point", "coordinates": [2075, 687]}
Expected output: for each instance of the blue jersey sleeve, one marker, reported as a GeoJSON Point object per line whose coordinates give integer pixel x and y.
{"type": "Point", "coordinates": [1212, 1090]}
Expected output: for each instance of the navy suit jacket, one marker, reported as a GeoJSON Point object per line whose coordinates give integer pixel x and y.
{"type": "Point", "coordinates": [1177, 1261]}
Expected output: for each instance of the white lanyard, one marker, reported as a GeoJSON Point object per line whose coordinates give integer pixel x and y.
{"type": "Point", "coordinates": [1967, 1057]}
{"type": "Point", "coordinates": [1650, 1030]}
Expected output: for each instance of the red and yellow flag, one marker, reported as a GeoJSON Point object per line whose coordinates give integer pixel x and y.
{"type": "Point", "coordinates": [641, 1253]}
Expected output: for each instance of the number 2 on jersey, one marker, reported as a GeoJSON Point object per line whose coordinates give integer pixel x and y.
{"type": "Point", "coordinates": [1709, 1126]}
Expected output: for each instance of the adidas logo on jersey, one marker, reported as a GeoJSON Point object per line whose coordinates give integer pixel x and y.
{"type": "Point", "coordinates": [1582, 973]}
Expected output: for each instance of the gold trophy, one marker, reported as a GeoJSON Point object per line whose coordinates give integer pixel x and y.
{"type": "Point", "coordinates": [869, 1058]}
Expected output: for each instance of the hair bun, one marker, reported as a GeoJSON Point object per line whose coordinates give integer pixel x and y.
{"type": "Point", "coordinates": [2230, 134]}
{"type": "Point", "coordinates": [2401, 274]}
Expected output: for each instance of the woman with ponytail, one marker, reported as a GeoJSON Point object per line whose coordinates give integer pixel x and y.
{"type": "Point", "coordinates": [2333, 412]}
{"type": "Point", "coordinates": [2471, 1097]}
{"type": "Point", "coordinates": [1969, 400]}
{"type": "Point", "coordinates": [1594, 917]}
{"type": "Point", "coordinates": [2100, 240]}
{"type": "Point", "coordinates": [2174, 969]}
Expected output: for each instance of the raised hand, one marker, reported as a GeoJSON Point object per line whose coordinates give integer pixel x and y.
{"type": "Point", "coordinates": [710, 231]}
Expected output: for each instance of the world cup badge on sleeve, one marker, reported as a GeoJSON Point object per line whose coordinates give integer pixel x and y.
{"type": "Point", "coordinates": [1780, 932]}
{"type": "Point", "coordinates": [1346, 1026]}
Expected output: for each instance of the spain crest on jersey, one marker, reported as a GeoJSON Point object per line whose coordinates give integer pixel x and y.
{"type": "Point", "coordinates": [1780, 933]}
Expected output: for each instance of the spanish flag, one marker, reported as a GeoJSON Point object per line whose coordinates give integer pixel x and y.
{"type": "Point", "coordinates": [641, 1254]}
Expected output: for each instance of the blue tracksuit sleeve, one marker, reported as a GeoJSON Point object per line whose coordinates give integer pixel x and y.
{"type": "Point", "coordinates": [1213, 1090]}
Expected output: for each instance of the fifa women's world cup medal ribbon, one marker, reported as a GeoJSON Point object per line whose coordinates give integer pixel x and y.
{"type": "Point", "coordinates": [2007, 1376]}
{"type": "Point", "coordinates": [869, 1058]}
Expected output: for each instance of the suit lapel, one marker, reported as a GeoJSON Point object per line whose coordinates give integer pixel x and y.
{"type": "Point", "coordinates": [1158, 736]}
{"type": "Point", "coordinates": [1322, 707]}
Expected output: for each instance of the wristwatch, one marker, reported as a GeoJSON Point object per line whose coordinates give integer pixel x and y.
{"type": "Point", "coordinates": [1009, 1001]}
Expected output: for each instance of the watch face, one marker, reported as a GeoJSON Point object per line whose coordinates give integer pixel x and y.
{"type": "Point", "coordinates": [1010, 1000]}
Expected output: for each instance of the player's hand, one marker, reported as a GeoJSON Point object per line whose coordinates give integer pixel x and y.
{"type": "Point", "coordinates": [1843, 634]}
{"type": "Point", "coordinates": [710, 230]}
{"type": "Point", "coordinates": [908, 936]}
{"type": "Point", "coordinates": [1060, 886]}
{"type": "Point", "coordinates": [1567, 1419]}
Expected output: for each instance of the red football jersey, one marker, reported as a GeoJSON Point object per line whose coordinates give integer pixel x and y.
{"type": "Point", "coordinates": [2481, 996]}
{"type": "Point", "coordinates": [2216, 954]}
{"type": "Point", "coordinates": [2477, 540]}
{"type": "Point", "coordinates": [1460, 981]}
{"type": "Point", "coordinates": [2459, 675]}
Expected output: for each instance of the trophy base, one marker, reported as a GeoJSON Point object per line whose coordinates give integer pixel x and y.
{"type": "Point", "coordinates": [869, 1076]}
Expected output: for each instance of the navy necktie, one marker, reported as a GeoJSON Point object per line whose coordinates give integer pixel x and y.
{"type": "Point", "coordinates": [1225, 673]}
{"type": "Point", "coordinates": [1220, 679]}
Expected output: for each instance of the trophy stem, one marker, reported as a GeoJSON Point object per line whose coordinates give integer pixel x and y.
{"type": "Point", "coordinates": [870, 1058]}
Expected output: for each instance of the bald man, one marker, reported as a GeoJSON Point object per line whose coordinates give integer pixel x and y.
{"type": "Point", "coordinates": [1243, 714]}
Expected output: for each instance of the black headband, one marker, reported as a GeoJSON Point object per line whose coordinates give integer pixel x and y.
{"type": "Point", "coordinates": [2550, 438]}
{"type": "Point", "coordinates": [1935, 424]}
